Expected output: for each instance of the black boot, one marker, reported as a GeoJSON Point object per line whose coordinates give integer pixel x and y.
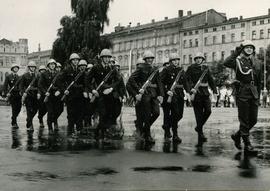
{"type": "Point", "coordinates": [41, 124]}
{"type": "Point", "coordinates": [237, 140]}
{"type": "Point", "coordinates": [248, 147]}
{"type": "Point", "coordinates": [201, 137]}
{"type": "Point", "coordinates": [56, 128]}
{"type": "Point", "coordinates": [167, 135]}
{"type": "Point", "coordinates": [176, 138]}
{"type": "Point", "coordinates": [148, 137]}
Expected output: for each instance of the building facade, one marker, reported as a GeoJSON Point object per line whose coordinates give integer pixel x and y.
{"type": "Point", "coordinates": [209, 32]}
{"type": "Point", "coordinates": [40, 57]}
{"type": "Point", "coordinates": [11, 53]}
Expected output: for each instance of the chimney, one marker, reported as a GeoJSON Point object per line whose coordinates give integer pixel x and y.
{"type": "Point", "coordinates": [189, 13]}
{"type": "Point", "coordinates": [138, 24]}
{"type": "Point", "coordinates": [165, 18]}
{"type": "Point", "coordinates": [153, 20]}
{"type": "Point", "coordinates": [241, 17]}
{"type": "Point", "coordinates": [269, 11]}
{"type": "Point", "coordinates": [39, 49]}
{"type": "Point", "coordinates": [180, 13]}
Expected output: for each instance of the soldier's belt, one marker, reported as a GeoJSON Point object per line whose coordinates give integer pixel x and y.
{"type": "Point", "coordinates": [152, 85]}
{"type": "Point", "coordinates": [203, 84]}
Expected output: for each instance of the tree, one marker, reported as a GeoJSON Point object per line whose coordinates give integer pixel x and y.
{"type": "Point", "coordinates": [261, 56]}
{"type": "Point", "coordinates": [219, 73]}
{"type": "Point", "coordinates": [81, 33]}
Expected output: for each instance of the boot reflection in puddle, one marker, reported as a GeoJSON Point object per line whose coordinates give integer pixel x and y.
{"type": "Point", "coordinates": [247, 168]}
{"type": "Point", "coordinates": [30, 142]}
{"type": "Point", "coordinates": [16, 142]}
{"type": "Point", "coordinates": [167, 147]}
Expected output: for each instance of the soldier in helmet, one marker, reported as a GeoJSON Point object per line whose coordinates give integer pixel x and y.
{"type": "Point", "coordinates": [148, 99]}
{"type": "Point", "coordinates": [74, 96]}
{"type": "Point", "coordinates": [201, 103]}
{"type": "Point", "coordinates": [106, 95]}
{"type": "Point", "coordinates": [42, 110]}
{"type": "Point", "coordinates": [11, 90]}
{"type": "Point", "coordinates": [58, 67]}
{"type": "Point", "coordinates": [29, 90]}
{"type": "Point", "coordinates": [173, 104]}
{"type": "Point", "coordinates": [53, 104]}
{"type": "Point", "coordinates": [248, 86]}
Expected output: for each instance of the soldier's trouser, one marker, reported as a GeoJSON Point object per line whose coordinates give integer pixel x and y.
{"type": "Point", "coordinates": [31, 105]}
{"type": "Point", "coordinates": [16, 105]}
{"type": "Point", "coordinates": [117, 107]}
{"type": "Point", "coordinates": [88, 111]}
{"type": "Point", "coordinates": [247, 114]}
{"type": "Point", "coordinates": [202, 111]}
{"type": "Point", "coordinates": [42, 110]}
{"type": "Point", "coordinates": [54, 108]}
{"type": "Point", "coordinates": [75, 113]}
{"type": "Point", "coordinates": [149, 108]}
{"type": "Point", "coordinates": [173, 113]}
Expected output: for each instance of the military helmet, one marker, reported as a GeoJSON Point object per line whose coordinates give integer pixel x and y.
{"type": "Point", "coordinates": [199, 55]}
{"type": "Point", "coordinates": [32, 64]}
{"type": "Point", "coordinates": [89, 66]}
{"type": "Point", "coordinates": [42, 67]}
{"type": "Point", "coordinates": [82, 63]}
{"type": "Point", "coordinates": [74, 56]}
{"type": "Point", "coordinates": [105, 52]}
{"type": "Point", "coordinates": [174, 56]}
{"type": "Point", "coordinates": [15, 65]}
{"type": "Point", "coordinates": [58, 65]}
{"type": "Point", "coordinates": [148, 54]}
{"type": "Point", "coordinates": [248, 43]}
{"type": "Point", "coordinates": [51, 61]}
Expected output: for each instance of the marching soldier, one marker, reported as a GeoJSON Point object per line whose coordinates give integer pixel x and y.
{"type": "Point", "coordinates": [145, 85]}
{"type": "Point", "coordinates": [58, 67]}
{"type": "Point", "coordinates": [47, 87]}
{"type": "Point", "coordinates": [11, 91]}
{"type": "Point", "coordinates": [248, 86]}
{"type": "Point", "coordinates": [60, 107]}
{"type": "Point", "coordinates": [29, 90]}
{"type": "Point", "coordinates": [42, 110]}
{"type": "Point", "coordinates": [199, 78]}
{"type": "Point", "coordinates": [106, 94]}
{"type": "Point", "coordinates": [174, 80]}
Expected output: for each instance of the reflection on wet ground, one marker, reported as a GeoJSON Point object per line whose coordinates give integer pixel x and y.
{"type": "Point", "coordinates": [197, 168]}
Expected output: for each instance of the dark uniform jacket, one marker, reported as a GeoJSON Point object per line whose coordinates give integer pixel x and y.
{"type": "Point", "coordinates": [65, 79]}
{"type": "Point", "coordinates": [140, 76]}
{"type": "Point", "coordinates": [10, 81]}
{"type": "Point", "coordinates": [45, 81]}
{"type": "Point", "coordinates": [168, 76]}
{"type": "Point", "coordinates": [193, 74]}
{"type": "Point", "coordinates": [249, 84]}
{"type": "Point", "coordinates": [97, 75]}
{"type": "Point", "coordinates": [25, 82]}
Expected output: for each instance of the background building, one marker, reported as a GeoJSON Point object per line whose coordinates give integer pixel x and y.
{"type": "Point", "coordinates": [40, 57]}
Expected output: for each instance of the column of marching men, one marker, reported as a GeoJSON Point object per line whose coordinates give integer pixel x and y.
{"type": "Point", "coordinates": [99, 89]}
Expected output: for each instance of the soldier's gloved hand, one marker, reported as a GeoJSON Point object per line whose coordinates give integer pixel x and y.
{"type": "Point", "coordinates": [138, 97]}
{"type": "Point", "coordinates": [85, 95]}
{"type": "Point", "coordinates": [170, 93]}
{"type": "Point", "coordinates": [193, 91]}
{"type": "Point", "coordinates": [160, 99]}
{"type": "Point", "coordinates": [124, 99]}
{"type": "Point", "coordinates": [38, 96]}
{"type": "Point", "coordinates": [66, 92]}
{"type": "Point", "coordinates": [90, 95]}
{"type": "Point", "coordinates": [108, 91]}
{"type": "Point", "coordinates": [47, 94]}
{"type": "Point", "coordinates": [95, 92]}
{"type": "Point", "coordinates": [57, 93]}
{"type": "Point", "coordinates": [141, 91]}
{"type": "Point", "coordinates": [24, 95]}
{"type": "Point", "coordinates": [8, 95]}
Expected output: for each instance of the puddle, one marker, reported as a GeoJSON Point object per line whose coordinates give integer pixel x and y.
{"type": "Point", "coordinates": [197, 168]}
{"type": "Point", "coordinates": [99, 171]}
{"type": "Point", "coordinates": [35, 176]}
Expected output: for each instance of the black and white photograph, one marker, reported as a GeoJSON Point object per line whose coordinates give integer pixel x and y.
{"type": "Point", "coordinates": [130, 95]}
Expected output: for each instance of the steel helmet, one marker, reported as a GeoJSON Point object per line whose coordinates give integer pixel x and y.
{"type": "Point", "coordinates": [148, 54]}
{"type": "Point", "coordinates": [174, 56]}
{"type": "Point", "coordinates": [82, 63]}
{"type": "Point", "coordinates": [15, 65]}
{"type": "Point", "coordinates": [199, 55]}
{"type": "Point", "coordinates": [105, 52]}
{"type": "Point", "coordinates": [74, 56]}
{"type": "Point", "coordinates": [32, 64]}
{"type": "Point", "coordinates": [140, 61]}
{"type": "Point", "coordinates": [51, 61]}
{"type": "Point", "coordinates": [248, 43]}
{"type": "Point", "coordinates": [58, 65]}
{"type": "Point", "coordinates": [89, 66]}
{"type": "Point", "coordinates": [42, 67]}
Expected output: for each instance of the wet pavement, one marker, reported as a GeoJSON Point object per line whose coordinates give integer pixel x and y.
{"type": "Point", "coordinates": [41, 162]}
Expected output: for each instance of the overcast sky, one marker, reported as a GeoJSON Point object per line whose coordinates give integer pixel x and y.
{"type": "Point", "coordinates": [38, 20]}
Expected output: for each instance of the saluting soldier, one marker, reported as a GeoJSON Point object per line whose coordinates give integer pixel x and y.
{"type": "Point", "coordinates": [74, 95]}
{"type": "Point", "coordinates": [247, 92]}
{"type": "Point", "coordinates": [53, 103]}
{"type": "Point", "coordinates": [29, 90]}
{"type": "Point", "coordinates": [148, 99]}
{"type": "Point", "coordinates": [12, 92]}
{"type": "Point", "coordinates": [201, 103]}
{"type": "Point", "coordinates": [42, 110]}
{"type": "Point", "coordinates": [173, 104]}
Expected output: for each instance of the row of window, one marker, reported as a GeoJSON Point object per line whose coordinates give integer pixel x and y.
{"type": "Point", "coordinates": [188, 59]}
{"type": "Point", "coordinates": [7, 60]}
{"type": "Point", "coordinates": [3, 76]}
{"type": "Point", "coordinates": [12, 49]}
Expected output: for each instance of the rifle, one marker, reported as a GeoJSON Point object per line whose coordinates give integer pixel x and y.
{"type": "Point", "coordinates": [196, 87]}
{"type": "Point", "coordinates": [28, 88]}
{"type": "Point", "coordinates": [72, 83]}
{"type": "Point", "coordinates": [101, 84]}
{"type": "Point", "coordinates": [12, 88]}
{"type": "Point", "coordinates": [50, 87]}
{"type": "Point", "coordinates": [169, 100]}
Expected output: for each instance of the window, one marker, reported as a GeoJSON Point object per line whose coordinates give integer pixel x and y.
{"type": "Point", "coordinates": [223, 39]}
{"type": "Point", "coordinates": [13, 59]}
{"type": "Point", "coordinates": [268, 20]}
{"type": "Point", "coordinates": [261, 34]}
{"type": "Point", "coordinates": [205, 30]}
{"type": "Point", "coordinates": [205, 41]}
{"type": "Point", "coordinates": [222, 55]}
{"type": "Point", "coordinates": [190, 59]}
{"type": "Point", "coordinates": [223, 28]}
{"type": "Point", "coordinates": [185, 43]}
{"type": "Point", "coordinates": [214, 39]}
{"type": "Point", "coordinates": [184, 59]}
{"type": "Point", "coordinates": [243, 25]}
{"type": "Point", "coordinates": [243, 35]}
{"type": "Point", "coordinates": [159, 41]}
{"type": "Point", "coordinates": [261, 22]}
{"type": "Point", "coordinates": [214, 55]}
{"type": "Point", "coordinates": [163, 40]}
{"type": "Point", "coordinates": [196, 32]}
{"type": "Point", "coordinates": [128, 45]}
{"type": "Point", "coordinates": [253, 23]}
{"type": "Point", "coordinates": [126, 60]}
{"type": "Point", "coordinates": [175, 39]}
{"type": "Point", "coordinates": [196, 42]}
{"type": "Point", "coordinates": [1, 76]}
{"type": "Point", "coordinates": [253, 35]}
{"type": "Point", "coordinates": [190, 43]}
{"type": "Point", "coordinates": [205, 56]}
{"type": "Point", "coordinates": [1, 61]}
{"type": "Point", "coordinates": [232, 26]}
{"type": "Point", "coordinates": [268, 35]}
{"type": "Point", "coordinates": [190, 33]}
{"type": "Point", "coordinates": [185, 33]}
{"type": "Point", "coordinates": [214, 29]}
{"type": "Point", "coordinates": [232, 37]}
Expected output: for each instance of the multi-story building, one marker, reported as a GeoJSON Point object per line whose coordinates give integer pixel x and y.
{"type": "Point", "coordinates": [10, 53]}
{"type": "Point", "coordinates": [209, 32]}
{"type": "Point", "coordinates": [40, 57]}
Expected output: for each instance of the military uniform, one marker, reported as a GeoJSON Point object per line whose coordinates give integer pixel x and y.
{"type": "Point", "coordinates": [15, 97]}
{"type": "Point", "coordinates": [42, 110]}
{"type": "Point", "coordinates": [173, 112]}
{"type": "Point", "coordinates": [247, 92]}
